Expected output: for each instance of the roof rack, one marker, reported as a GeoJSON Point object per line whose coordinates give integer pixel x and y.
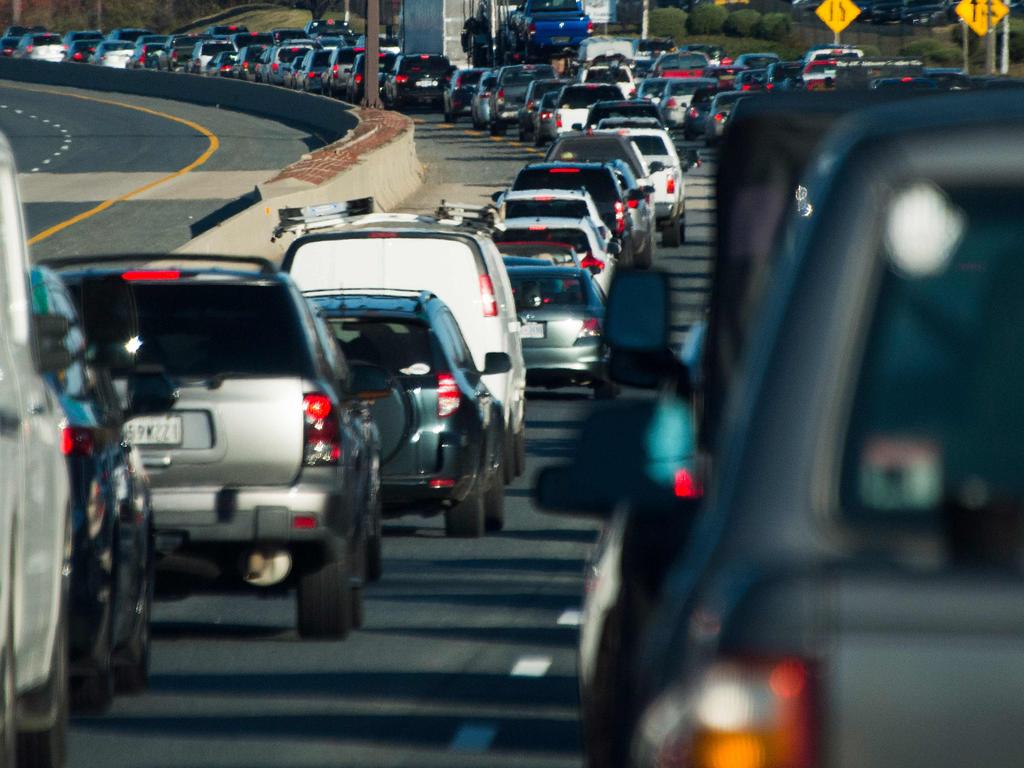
{"type": "Point", "coordinates": [264, 266]}
{"type": "Point", "coordinates": [321, 216]}
{"type": "Point", "coordinates": [398, 293]}
{"type": "Point", "coordinates": [483, 217]}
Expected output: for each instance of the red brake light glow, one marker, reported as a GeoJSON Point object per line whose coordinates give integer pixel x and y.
{"type": "Point", "coordinates": [537, 228]}
{"type": "Point", "coordinates": [670, 185]}
{"type": "Point", "coordinates": [448, 395]}
{"type": "Point", "coordinates": [76, 441]}
{"type": "Point", "coordinates": [151, 274]}
{"type": "Point", "coordinates": [686, 485]}
{"type": "Point", "coordinates": [487, 299]}
{"type": "Point", "coordinates": [401, 78]}
{"type": "Point", "coordinates": [593, 264]}
{"type": "Point", "coordinates": [322, 444]}
{"type": "Point", "coordinates": [563, 170]}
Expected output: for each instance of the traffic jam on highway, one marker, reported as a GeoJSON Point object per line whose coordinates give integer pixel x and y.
{"type": "Point", "coordinates": [808, 517]}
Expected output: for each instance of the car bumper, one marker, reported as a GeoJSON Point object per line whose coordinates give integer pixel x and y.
{"type": "Point", "coordinates": [453, 466]}
{"type": "Point", "coordinates": [252, 514]}
{"type": "Point", "coordinates": [419, 95]}
{"type": "Point", "coordinates": [553, 365]}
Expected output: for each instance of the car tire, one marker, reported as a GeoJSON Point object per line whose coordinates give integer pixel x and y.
{"type": "Point", "coordinates": [520, 452]}
{"type": "Point", "coordinates": [466, 519]}
{"type": "Point", "coordinates": [508, 449]}
{"type": "Point", "coordinates": [324, 600]}
{"type": "Point", "coordinates": [131, 672]}
{"type": "Point", "coordinates": [48, 748]}
{"type": "Point", "coordinates": [494, 504]}
{"type": "Point", "coordinates": [670, 233]}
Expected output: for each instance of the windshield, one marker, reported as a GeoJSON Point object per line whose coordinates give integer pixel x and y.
{"type": "Point", "coordinates": [577, 97]}
{"type": "Point", "coordinates": [553, 5]}
{"type": "Point", "coordinates": [516, 76]}
{"type": "Point", "coordinates": [533, 291]}
{"type": "Point", "coordinates": [544, 234]}
{"type": "Point", "coordinates": [607, 75]}
{"type": "Point", "coordinates": [546, 206]}
{"type": "Point", "coordinates": [597, 182]}
{"type": "Point", "coordinates": [650, 145]}
{"type": "Point", "coordinates": [683, 61]}
{"type": "Point", "coordinates": [433, 65]}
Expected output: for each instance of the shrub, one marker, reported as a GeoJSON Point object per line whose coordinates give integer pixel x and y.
{"type": "Point", "coordinates": [706, 20]}
{"type": "Point", "coordinates": [774, 26]}
{"type": "Point", "coordinates": [668, 22]}
{"type": "Point", "coordinates": [742, 23]}
{"type": "Point", "coordinates": [922, 48]}
{"type": "Point", "coordinates": [947, 55]}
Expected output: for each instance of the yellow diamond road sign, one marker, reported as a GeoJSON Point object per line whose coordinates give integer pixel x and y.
{"type": "Point", "coordinates": [839, 14]}
{"type": "Point", "coordinates": [981, 15]}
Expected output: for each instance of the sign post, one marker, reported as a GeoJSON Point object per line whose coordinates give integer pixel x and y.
{"type": "Point", "coordinates": [837, 15]}
{"type": "Point", "coordinates": [982, 16]}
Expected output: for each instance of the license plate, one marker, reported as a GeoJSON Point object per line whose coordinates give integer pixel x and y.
{"type": "Point", "coordinates": [531, 330]}
{"type": "Point", "coordinates": [560, 39]}
{"type": "Point", "coordinates": [154, 430]}
{"type": "Point", "coordinates": [427, 83]}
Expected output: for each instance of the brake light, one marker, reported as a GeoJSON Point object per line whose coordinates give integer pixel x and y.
{"type": "Point", "coordinates": [448, 395]}
{"type": "Point", "coordinates": [620, 217]}
{"type": "Point", "coordinates": [334, 69]}
{"type": "Point", "coordinates": [359, 79]}
{"type": "Point", "coordinates": [720, 117]}
{"type": "Point", "coordinates": [746, 87]}
{"type": "Point", "coordinates": [501, 94]}
{"type": "Point", "coordinates": [401, 79]}
{"type": "Point", "coordinates": [322, 444]}
{"type": "Point", "coordinates": [532, 28]}
{"type": "Point", "coordinates": [77, 56]}
{"type": "Point", "coordinates": [563, 170]}
{"type": "Point", "coordinates": [745, 713]}
{"type": "Point", "coordinates": [633, 203]}
{"type": "Point", "coordinates": [594, 264]}
{"type": "Point", "coordinates": [537, 228]}
{"type": "Point", "coordinates": [671, 103]}
{"type": "Point", "coordinates": [590, 329]}
{"type": "Point", "coordinates": [311, 75]}
{"type": "Point", "coordinates": [225, 67]}
{"type": "Point", "coordinates": [174, 55]}
{"type": "Point", "coordinates": [76, 441]}
{"type": "Point", "coordinates": [906, 79]}
{"type": "Point", "coordinates": [151, 274]}
{"type": "Point", "coordinates": [686, 486]}
{"type": "Point", "coordinates": [487, 299]}
{"type": "Point", "coordinates": [670, 185]}
{"type": "Point", "coordinates": [590, 27]}
{"type": "Point", "coordinates": [543, 198]}
{"type": "Point", "coordinates": [381, 235]}
{"type": "Point", "coordinates": [558, 120]}
{"type": "Point", "coordinates": [694, 112]}
{"type": "Point", "coordinates": [274, 66]}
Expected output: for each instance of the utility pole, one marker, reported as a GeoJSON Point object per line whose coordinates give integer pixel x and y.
{"type": "Point", "coordinates": [964, 33]}
{"type": "Point", "coordinates": [645, 21]}
{"type": "Point", "coordinates": [990, 51]}
{"type": "Point", "coordinates": [15, 11]}
{"type": "Point", "coordinates": [1004, 63]}
{"type": "Point", "coordinates": [371, 90]}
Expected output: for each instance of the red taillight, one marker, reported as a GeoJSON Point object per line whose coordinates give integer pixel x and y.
{"type": "Point", "coordinates": [77, 56]}
{"type": "Point", "coordinates": [720, 117]}
{"type": "Point", "coordinates": [29, 49]}
{"type": "Point", "coordinates": [442, 482]}
{"type": "Point", "coordinates": [558, 121]}
{"type": "Point", "coordinates": [670, 185]}
{"type": "Point", "coordinates": [151, 274]}
{"type": "Point", "coordinates": [633, 203]}
{"type": "Point", "coordinates": [76, 441]}
{"type": "Point", "coordinates": [686, 486]}
{"type": "Point", "coordinates": [620, 217]}
{"type": "Point", "coordinates": [448, 395]}
{"type": "Point", "coordinates": [533, 28]}
{"type": "Point", "coordinates": [501, 94]}
{"type": "Point", "coordinates": [746, 87]}
{"type": "Point", "coordinates": [594, 265]}
{"type": "Point", "coordinates": [906, 79]}
{"type": "Point", "coordinates": [671, 103]}
{"type": "Point", "coordinates": [312, 75]}
{"type": "Point", "coordinates": [694, 112]}
{"type": "Point", "coordinates": [225, 67]}
{"type": "Point", "coordinates": [401, 79]}
{"type": "Point", "coordinates": [174, 55]}
{"type": "Point", "coordinates": [274, 66]}
{"type": "Point", "coordinates": [487, 299]}
{"type": "Point", "coordinates": [590, 27]}
{"type": "Point", "coordinates": [359, 79]}
{"type": "Point", "coordinates": [591, 328]}
{"type": "Point", "coordinates": [529, 104]}
{"type": "Point", "coordinates": [334, 69]}
{"type": "Point", "coordinates": [303, 522]}
{"type": "Point", "coordinates": [563, 170]}
{"type": "Point", "coordinates": [744, 712]}
{"type": "Point", "coordinates": [381, 235]}
{"type": "Point", "coordinates": [538, 228]}
{"type": "Point", "coordinates": [322, 444]}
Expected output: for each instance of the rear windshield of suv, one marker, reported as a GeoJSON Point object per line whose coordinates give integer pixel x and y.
{"type": "Point", "coordinates": [580, 96]}
{"type": "Point", "coordinates": [683, 61]}
{"type": "Point", "coordinates": [597, 181]}
{"type": "Point", "coordinates": [600, 111]}
{"type": "Point", "coordinates": [400, 346]}
{"type": "Point", "coordinates": [286, 55]}
{"type": "Point", "coordinates": [209, 49]}
{"type": "Point", "coordinates": [320, 58]}
{"type": "Point", "coordinates": [650, 145]}
{"type": "Point", "coordinates": [47, 40]}
{"type": "Point", "coordinates": [525, 76]}
{"type": "Point", "coordinates": [466, 79]}
{"type": "Point", "coordinates": [428, 65]}
{"type": "Point", "coordinates": [606, 75]}
{"type": "Point", "coordinates": [569, 209]}
{"type": "Point", "coordinates": [202, 330]}
{"type": "Point", "coordinates": [936, 421]}
{"type": "Point", "coordinates": [594, 149]}
{"type": "Point", "coordinates": [574, 237]}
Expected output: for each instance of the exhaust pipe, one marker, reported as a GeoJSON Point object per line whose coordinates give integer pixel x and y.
{"type": "Point", "coordinates": [266, 567]}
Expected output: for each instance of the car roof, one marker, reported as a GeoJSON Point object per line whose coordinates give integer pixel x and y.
{"type": "Point", "coordinates": [566, 164]}
{"type": "Point", "coordinates": [549, 221]}
{"type": "Point", "coordinates": [530, 194]}
{"type": "Point", "coordinates": [368, 301]}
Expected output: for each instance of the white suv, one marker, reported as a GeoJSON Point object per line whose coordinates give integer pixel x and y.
{"type": "Point", "coordinates": [460, 264]}
{"type": "Point", "coordinates": [35, 527]}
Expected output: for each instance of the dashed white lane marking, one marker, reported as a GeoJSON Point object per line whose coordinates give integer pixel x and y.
{"type": "Point", "coordinates": [34, 170]}
{"type": "Point", "coordinates": [33, 117]}
{"type": "Point", "coordinates": [19, 112]}
{"type": "Point", "coordinates": [64, 147]}
{"type": "Point", "coordinates": [473, 737]}
{"type": "Point", "coordinates": [571, 617]}
{"type": "Point", "coordinates": [46, 161]}
{"type": "Point", "coordinates": [531, 666]}
{"type": "Point", "coordinates": [56, 154]}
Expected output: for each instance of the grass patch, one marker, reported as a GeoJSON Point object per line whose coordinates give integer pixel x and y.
{"type": "Point", "coordinates": [267, 19]}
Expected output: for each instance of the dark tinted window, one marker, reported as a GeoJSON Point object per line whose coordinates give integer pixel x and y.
{"type": "Point", "coordinates": [592, 149]}
{"type": "Point", "coordinates": [598, 182]}
{"type": "Point", "coordinates": [683, 61]}
{"type": "Point", "coordinates": [580, 96]}
{"type": "Point", "coordinates": [320, 58]}
{"type": "Point", "coordinates": [210, 49]}
{"type": "Point", "coordinates": [937, 417]}
{"type": "Point", "coordinates": [469, 78]}
{"type": "Point", "coordinates": [574, 237]}
{"type": "Point", "coordinates": [286, 55]}
{"type": "Point", "coordinates": [607, 75]}
{"type": "Point", "coordinates": [346, 55]}
{"type": "Point", "coordinates": [573, 209]}
{"type": "Point", "coordinates": [396, 345]}
{"type": "Point", "coordinates": [199, 330]}
{"type": "Point", "coordinates": [433, 65]}
{"type": "Point", "coordinates": [533, 291]}
{"type": "Point", "coordinates": [553, 5]}
{"type": "Point", "coordinates": [600, 111]}
{"type": "Point", "coordinates": [46, 40]}
{"type": "Point", "coordinates": [650, 145]}
{"type": "Point", "coordinates": [516, 76]}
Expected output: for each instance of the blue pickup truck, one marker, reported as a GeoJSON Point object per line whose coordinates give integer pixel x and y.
{"type": "Point", "coordinates": [539, 27]}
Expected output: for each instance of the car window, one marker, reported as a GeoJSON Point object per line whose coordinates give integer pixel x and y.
{"type": "Point", "coordinates": [936, 417]}
{"type": "Point", "coordinates": [683, 61]}
{"type": "Point", "coordinates": [546, 206]}
{"type": "Point", "coordinates": [533, 292]}
{"type": "Point", "coordinates": [461, 355]}
{"type": "Point", "coordinates": [651, 145]}
{"type": "Point", "coordinates": [598, 182]}
{"type": "Point", "coordinates": [579, 97]}
{"type": "Point", "coordinates": [575, 237]}
{"type": "Point", "coordinates": [432, 65]}
{"type": "Point", "coordinates": [400, 346]}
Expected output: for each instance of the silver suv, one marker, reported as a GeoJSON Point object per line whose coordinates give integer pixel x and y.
{"type": "Point", "coordinates": [262, 459]}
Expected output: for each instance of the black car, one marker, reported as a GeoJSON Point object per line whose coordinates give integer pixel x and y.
{"type": "Point", "coordinates": [534, 93]}
{"type": "Point", "coordinates": [80, 50]}
{"type": "Point", "coordinates": [602, 184]}
{"type": "Point", "coordinates": [783, 75]}
{"type": "Point", "coordinates": [458, 96]}
{"type": "Point", "coordinates": [440, 426]}
{"type": "Point", "coordinates": [417, 78]}
{"type": "Point", "coordinates": [112, 555]}
{"type": "Point", "coordinates": [283, 34]}
{"type": "Point", "coordinates": [629, 109]}
{"type": "Point", "coordinates": [356, 83]}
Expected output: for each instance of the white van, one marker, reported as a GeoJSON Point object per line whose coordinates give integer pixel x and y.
{"type": "Point", "coordinates": [460, 265]}
{"type": "Point", "coordinates": [35, 510]}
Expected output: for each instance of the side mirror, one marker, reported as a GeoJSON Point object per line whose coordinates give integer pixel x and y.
{"type": "Point", "coordinates": [496, 362]}
{"type": "Point", "coordinates": [647, 190]}
{"type": "Point", "coordinates": [51, 332]}
{"type": "Point", "coordinates": [150, 391]}
{"type": "Point", "coordinates": [636, 194]}
{"type": "Point", "coordinates": [496, 196]}
{"type": "Point", "coordinates": [653, 468]}
{"type": "Point", "coordinates": [370, 382]}
{"type": "Point", "coordinates": [577, 126]}
{"type": "Point", "coordinates": [657, 166]}
{"type": "Point", "coordinates": [615, 248]}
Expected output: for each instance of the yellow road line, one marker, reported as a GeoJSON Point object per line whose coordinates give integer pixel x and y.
{"type": "Point", "coordinates": [472, 133]}
{"type": "Point", "coordinates": [214, 145]}
{"type": "Point", "coordinates": [496, 138]}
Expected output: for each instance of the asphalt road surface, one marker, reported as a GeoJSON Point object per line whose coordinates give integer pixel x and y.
{"type": "Point", "coordinates": [180, 166]}
{"type": "Point", "coordinates": [467, 655]}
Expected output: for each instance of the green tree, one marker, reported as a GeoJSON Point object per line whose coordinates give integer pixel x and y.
{"type": "Point", "coordinates": [668, 22]}
{"type": "Point", "coordinates": [706, 20]}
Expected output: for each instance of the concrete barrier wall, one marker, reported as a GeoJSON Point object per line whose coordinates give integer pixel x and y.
{"type": "Point", "coordinates": [329, 118]}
